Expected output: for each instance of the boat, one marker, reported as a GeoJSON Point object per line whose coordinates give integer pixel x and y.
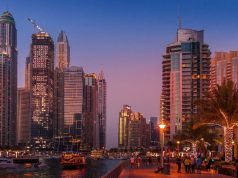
{"type": "Point", "coordinates": [23, 160]}
{"type": "Point", "coordinates": [97, 154]}
{"type": "Point", "coordinates": [70, 160]}
{"type": "Point", "coordinates": [6, 163]}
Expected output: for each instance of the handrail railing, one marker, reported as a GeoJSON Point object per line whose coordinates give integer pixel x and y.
{"type": "Point", "coordinates": [116, 171]}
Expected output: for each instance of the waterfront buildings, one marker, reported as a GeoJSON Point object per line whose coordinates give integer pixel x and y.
{"type": "Point", "coordinates": [73, 101]}
{"type": "Point", "coordinates": [123, 128]}
{"type": "Point", "coordinates": [91, 122]}
{"type": "Point", "coordinates": [8, 79]}
{"type": "Point", "coordinates": [62, 51]}
{"type": "Point", "coordinates": [154, 130]}
{"type": "Point", "coordinates": [224, 66]}
{"type": "Point", "coordinates": [133, 130]}
{"type": "Point", "coordinates": [101, 113]}
{"type": "Point", "coordinates": [23, 116]}
{"type": "Point", "coordinates": [42, 84]}
{"type": "Point", "coordinates": [185, 78]}
{"type": "Point", "coordinates": [63, 61]}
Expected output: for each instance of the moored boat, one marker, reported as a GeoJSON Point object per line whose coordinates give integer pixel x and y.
{"type": "Point", "coordinates": [23, 160]}
{"type": "Point", "coordinates": [97, 154]}
{"type": "Point", "coordinates": [73, 160]}
{"type": "Point", "coordinates": [6, 163]}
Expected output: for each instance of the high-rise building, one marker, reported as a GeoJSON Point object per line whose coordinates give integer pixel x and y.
{"type": "Point", "coordinates": [138, 131]}
{"type": "Point", "coordinates": [133, 130]}
{"type": "Point", "coordinates": [154, 131]}
{"type": "Point", "coordinates": [101, 114]}
{"type": "Point", "coordinates": [28, 73]}
{"type": "Point", "coordinates": [8, 79]}
{"type": "Point", "coordinates": [62, 51]}
{"type": "Point", "coordinates": [42, 84]}
{"type": "Point", "coordinates": [23, 115]}
{"type": "Point", "coordinates": [91, 123]}
{"type": "Point", "coordinates": [63, 62]}
{"type": "Point", "coordinates": [224, 66]}
{"type": "Point", "coordinates": [73, 101]}
{"type": "Point", "coordinates": [123, 128]}
{"type": "Point", "coordinates": [185, 76]}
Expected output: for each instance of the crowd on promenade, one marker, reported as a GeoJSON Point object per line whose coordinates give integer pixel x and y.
{"type": "Point", "coordinates": [194, 164]}
{"type": "Point", "coordinates": [190, 163]}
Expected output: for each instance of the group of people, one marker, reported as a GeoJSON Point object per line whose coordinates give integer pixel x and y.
{"type": "Point", "coordinates": [135, 161]}
{"type": "Point", "coordinates": [190, 163]}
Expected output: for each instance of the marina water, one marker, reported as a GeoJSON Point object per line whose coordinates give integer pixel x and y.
{"type": "Point", "coordinates": [94, 169]}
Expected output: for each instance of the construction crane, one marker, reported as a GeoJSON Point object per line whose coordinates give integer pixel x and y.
{"type": "Point", "coordinates": [35, 25]}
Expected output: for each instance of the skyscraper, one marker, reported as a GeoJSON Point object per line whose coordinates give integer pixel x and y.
{"type": "Point", "coordinates": [73, 101]}
{"type": "Point", "coordinates": [123, 128]}
{"type": "Point", "coordinates": [23, 115]}
{"type": "Point", "coordinates": [91, 123]}
{"type": "Point", "coordinates": [133, 131]}
{"type": "Point", "coordinates": [42, 81]}
{"type": "Point", "coordinates": [63, 62]}
{"type": "Point", "coordinates": [8, 79]}
{"type": "Point", "coordinates": [101, 114]}
{"type": "Point", "coordinates": [62, 51]}
{"type": "Point", "coordinates": [224, 66]}
{"type": "Point", "coordinates": [28, 73]}
{"type": "Point", "coordinates": [154, 131]}
{"type": "Point", "coordinates": [185, 76]}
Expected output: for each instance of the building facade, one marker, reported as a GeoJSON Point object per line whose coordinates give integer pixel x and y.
{"type": "Point", "coordinates": [62, 51]}
{"type": "Point", "coordinates": [42, 85]}
{"type": "Point", "coordinates": [8, 79]}
{"type": "Point", "coordinates": [63, 62]}
{"type": "Point", "coordinates": [102, 108]}
{"type": "Point", "coordinates": [91, 123]}
{"type": "Point", "coordinates": [185, 76]}
{"type": "Point", "coordinates": [154, 131]}
{"type": "Point", "coordinates": [123, 128]}
{"type": "Point", "coordinates": [133, 130]}
{"type": "Point", "coordinates": [224, 66]}
{"type": "Point", "coordinates": [23, 116]}
{"type": "Point", "coordinates": [73, 101]}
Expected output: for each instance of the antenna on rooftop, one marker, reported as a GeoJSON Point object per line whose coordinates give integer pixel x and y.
{"type": "Point", "coordinates": [179, 17]}
{"type": "Point", "coordinates": [179, 22]}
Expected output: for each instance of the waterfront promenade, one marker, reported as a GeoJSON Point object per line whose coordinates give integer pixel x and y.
{"type": "Point", "coordinates": [148, 172]}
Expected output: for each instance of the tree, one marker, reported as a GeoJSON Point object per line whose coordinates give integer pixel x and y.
{"type": "Point", "coordinates": [198, 137]}
{"type": "Point", "coordinates": [220, 108]}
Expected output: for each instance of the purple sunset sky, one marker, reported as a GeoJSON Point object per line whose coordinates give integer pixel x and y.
{"type": "Point", "coordinates": [127, 38]}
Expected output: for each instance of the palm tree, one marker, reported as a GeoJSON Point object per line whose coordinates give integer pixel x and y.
{"type": "Point", "coordinates": [220, 108]}
{"type": "Point", "coordinates": [198, 137]}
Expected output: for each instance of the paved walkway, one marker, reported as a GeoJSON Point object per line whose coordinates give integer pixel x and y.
{"type": "Point", "coordinates": [148, 172]}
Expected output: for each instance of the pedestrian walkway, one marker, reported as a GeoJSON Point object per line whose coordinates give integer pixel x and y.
{"type": "Point", "coordinates": [148, 172]}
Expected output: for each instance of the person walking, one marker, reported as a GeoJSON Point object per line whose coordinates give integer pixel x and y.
{"type": "Point", "coordinates": [187, 163]}
{"type": "Point", "coordinates": [193, 164]}
{"type": "Point", "coordinates": [178, 162]}
{"type": "Point", "coordinates": [237, 167]}
{"type": "Point", "coordinates": [139, 160]}
{"type": "Point", "coordinates": [132, 161]}
{"type": "Point", "coordinates": [199, 164]}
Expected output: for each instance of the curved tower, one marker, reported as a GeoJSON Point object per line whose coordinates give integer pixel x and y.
{"type": "Point", "coordinates": [62, 51]}
{"type": "Point", "coordinates": [8, 79]}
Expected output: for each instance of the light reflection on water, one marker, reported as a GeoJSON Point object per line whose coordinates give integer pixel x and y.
{"type": "Point", "coordinates": [94, 169]}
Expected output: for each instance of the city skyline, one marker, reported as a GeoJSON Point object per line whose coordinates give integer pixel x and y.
{"type": "Point", "coordinates": [135, 46]}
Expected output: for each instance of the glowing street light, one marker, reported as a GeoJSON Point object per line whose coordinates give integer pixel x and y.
{"type": "Point", "coordinates": [162, 127]}
{"type": "Point", "coordinates": [178, 142]}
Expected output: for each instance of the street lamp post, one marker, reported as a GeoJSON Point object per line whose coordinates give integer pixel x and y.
{"type": "Point", "coordinates": [162, 126]}
{"type": "Point", "coordinates": [233, 148]}
{"type": "Point", "coordinates": [178, 142]}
